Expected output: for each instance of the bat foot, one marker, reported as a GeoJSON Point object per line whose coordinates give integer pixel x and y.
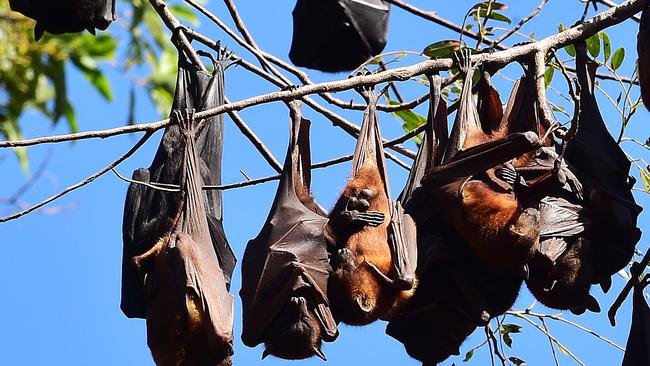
{"type": "Point", "coordinates": [464, 60]}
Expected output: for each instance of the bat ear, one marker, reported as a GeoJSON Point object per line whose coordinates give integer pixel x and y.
{"type": "Point", "coordinates": [364, 305]}
{"type": "Point", "coordinates": [91, 30]}
{"type": "Point", "coordinates": [266, 353]}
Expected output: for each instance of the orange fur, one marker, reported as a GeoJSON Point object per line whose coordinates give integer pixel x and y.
{"type": "Point", "coordinates": [366, 244]}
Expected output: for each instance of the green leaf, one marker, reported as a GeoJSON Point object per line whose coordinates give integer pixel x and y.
{"type": "Point", "coordinates": [410, 120]}
{"type": "Point", "coordinates": [184, 12]}
{"type": "Point", "coordinates": [516, 360]}
{"type": "Point", "coordinates": [90, 70]}
{"type": "Point", "coordinates": [130, 119]}
{"type": "Point", "coordinates": [548, 76]}
{"type": "Point", "coordinates": [468, 355]}
{"type": "Point", "coordinates": [645, 178]}
{"type": "Point", "coordinates": [511, 328]}
{"type": "Point", "coordinates": [10, 129]}
{"type": "Point", "coordinates": [101, 46]}
{"type": "Point", "coordinates": [593, 45]}
{"type": "Point", "coordinates": [617, 58]}
{"type": "Point", "coordinates": [607, 46]}
{"type": "Point", "coordinates": [442, 49]}
{"type": "Point", "coordinates": [71, 117]}
{"type": "Point", "coordinates": [507, 339]}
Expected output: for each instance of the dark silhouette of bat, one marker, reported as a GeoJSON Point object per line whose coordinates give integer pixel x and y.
{"type": "Point", "coordinates": [603, 168]}
{"type": "Point", "coordinates": [66, 16]}
{"type": "Point", "coordinates": [578, 242]}
{"type": "Point", "coordinates": [285, 269]}
{"type": "Point", "coordinates": [500, 227]}
{"type": "Point", "coordinates": [373, 241]}
{"type": "Point", "coordinates": [456, 292]}
{"type": "Point", "coordinates": [637, 350]}
{"type": "Point", "coordinates": [643, 50]}
{"type": "Point", "coordinates": [183, 263]}
{"type": "Point", "coordinates": [338, 35]}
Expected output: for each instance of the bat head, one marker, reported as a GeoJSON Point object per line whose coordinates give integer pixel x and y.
{"type": "Point", "coordinates": [566, 283]}
{"type": "Point", "coordinates": [296, 332]}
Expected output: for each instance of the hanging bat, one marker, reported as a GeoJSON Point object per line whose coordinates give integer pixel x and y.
{"type": "Point", "coordinates": [603, 168]}
{"type": "Point", "coordinates": [285, 269]}
{"type": "Point", "coordinates": [482, 207]}
{"type": "Point", "coordinates": [66, 16]}
{"type": "Point", "coordinates": [456, 292]}
{"type": "Point", "coordinates": [561, 268]}
{"type": "Point", "coordinates": [637, 350]}
{"type": "Point", "coordinates": [184, 255]}
{"type": "Point", "coordinates": [372, 240]}
{"type": "Point", "coordinates": [338, 35]}
{"type": "Point", "coordinates": [643, 50]}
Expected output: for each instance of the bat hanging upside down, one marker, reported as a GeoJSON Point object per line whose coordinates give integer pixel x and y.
{"type": "Point", "coordinates": [373, 240]}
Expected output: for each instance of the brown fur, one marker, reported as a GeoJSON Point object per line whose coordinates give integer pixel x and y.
{"type": "Point", "coordinates": [354, 280]}
{"type": "Point", "coordinates": [501, 233]}
{"type": "Point", "coordinates": [304, 196]}
{"type": "Point", "coordinates": [184, 342]}
{"type": "Point", "coordinates": [564, 285]}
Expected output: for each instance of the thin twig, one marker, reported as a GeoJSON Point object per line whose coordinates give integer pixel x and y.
{"type": "Point", "coordinates": [597, 23]}
{"type": "Point", "coordinates": [82, 183]}
{"type": "Point", "coordinates": [520, 24]}
{"type": "Point", "coordinates": [551, 344]}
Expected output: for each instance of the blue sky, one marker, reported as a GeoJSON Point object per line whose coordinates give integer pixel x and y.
{"type": "Point", "coordinates": [60, 273]}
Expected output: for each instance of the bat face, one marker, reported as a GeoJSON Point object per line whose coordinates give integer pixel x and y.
{"type": "Point", "coordinates": [296, 331]}
{"type": "Point", "coordinates": [565, 283]}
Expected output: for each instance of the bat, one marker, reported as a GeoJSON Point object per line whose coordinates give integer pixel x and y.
{"type": "Point", "coordinates": [338, 35]}
{"type": "Point", "coordinates": [638, 342]}
{"type": "Point", "coordinates": [575, 250]}
{"type": "Point", "coordinates": [285, 269]}
{"type": "Point", "coordinates": [456, 293]}
{"type": "Point", "coordinates": [183, 262]}
{"type": "Point", "coordinates": [371, 239]}
{"type": "Point", "coordinates": [643, 50]}
{"type": "Point", "coordinates": [66, 16]}
{"type": "Point", "coordinates": [561, 269]}
{"type": "Point", "coordinates": [482, 207]}
{"type": "Point", "coordinates": [604, 173]}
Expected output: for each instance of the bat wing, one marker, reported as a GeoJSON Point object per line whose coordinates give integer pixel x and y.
{"type": "Point", "coordinates": [337, 35]}
{"type": "Point", "coordinates": [603, 168]}
{"type": "Point", "coordinates": [199, 275]}
{"type": "Point", "coordinates": [145, 222]}
{"type": "Point", "coordinates": [289, 255]}
{"type": "Point", "coordinates": [593, 151]}
{"type": "Point", "coordinates": [489, 106]}
{"type": "Point", "coordinates": [637, 350]}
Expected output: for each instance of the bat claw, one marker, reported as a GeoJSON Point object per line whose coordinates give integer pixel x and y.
{"type": "Point", "coordinates": [319, 353]}
{"type": "Point", "coordinates": [508, 175]}
{"type": "Point", "coordinates": [369, 218]}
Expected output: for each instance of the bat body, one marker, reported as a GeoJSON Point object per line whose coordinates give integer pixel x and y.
{"type": "Point", "coordinates": [177, 263]}
{"type": "Point", "coordinates": [373, 240]}
{"type": "Point", "coordinates": [66, 16]}
{"type": "Point", "coordinates": [643, 50]}
{"type": "Point", "coordinates": [482, 207]}
{"type": "Point", "coordinates": [285, 269]}
{"type": "Point", "coordinates": [456, 292]}
{"type": "Point", "coordinates": [338, 35]}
